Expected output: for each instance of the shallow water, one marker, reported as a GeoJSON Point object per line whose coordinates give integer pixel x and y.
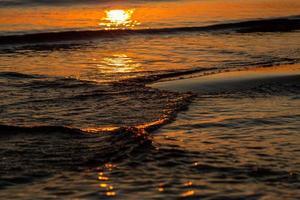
{"type": "Point", "coordinates": [246, 148]}
{"type": "Point", "coordinates": [240, 145]}
{"type": "Point", "coordinates": [78, 121]}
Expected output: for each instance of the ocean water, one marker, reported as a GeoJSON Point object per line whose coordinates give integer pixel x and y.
{"type": "Point", "coordinates": [78, 119]}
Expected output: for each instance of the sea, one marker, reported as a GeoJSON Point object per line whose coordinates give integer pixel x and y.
{"type": "Point", "coordinates": [80, 120]}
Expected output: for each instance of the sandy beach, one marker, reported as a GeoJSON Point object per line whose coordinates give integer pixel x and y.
{"type": "Point", "coordinates": [233, 81]}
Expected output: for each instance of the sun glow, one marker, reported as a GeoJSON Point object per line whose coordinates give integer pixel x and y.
{"type": "Point", "coordinates": [118, 19]}
{"type": "Point", "coordinates": [119, 16]}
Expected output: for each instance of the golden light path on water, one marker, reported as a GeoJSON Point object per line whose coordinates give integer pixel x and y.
{"type": "Point", "coordinates": [103, 177]}
{"type": "Point", "coordinates": [118, 63]}
{"type": "Point", "coordinates": [118, 19]}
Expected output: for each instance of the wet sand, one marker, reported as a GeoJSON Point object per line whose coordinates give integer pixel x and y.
{"type": "Point", "coordinates": [233, 81]}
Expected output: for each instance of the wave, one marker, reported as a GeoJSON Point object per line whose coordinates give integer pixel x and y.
{"type": "Point", "coordinates": [284, 24]}
{"type": "Point", "coordinates": [9, 129]}
{"type": "Point", "coordinates": [16, 75]}
{"type": "Point", "coordinates": [141, 129]}
{"type": "Point", "coordinates": [48, 150]}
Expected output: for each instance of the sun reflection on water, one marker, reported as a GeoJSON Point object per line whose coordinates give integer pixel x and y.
{"type": "Point", "coordinates": [118, 19]}
{"type": "Point", "coordinates": [118, 63]}
{"type": "Point", "coordinates": [188, 193]}
{"type": "Point", "coordinates": [103, 177]}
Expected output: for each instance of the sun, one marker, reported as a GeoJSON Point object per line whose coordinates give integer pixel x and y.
{"type": "Point", "coordinates": [118, 19]}
{"type": "Point", "coordinates": [118, 16]}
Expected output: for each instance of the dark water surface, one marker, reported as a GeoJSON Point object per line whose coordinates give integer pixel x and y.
{"type": "Point", "coordinates": [77, 120]}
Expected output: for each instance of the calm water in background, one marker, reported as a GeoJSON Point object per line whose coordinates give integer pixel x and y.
{"type": "Point", "coordinates": [66, 83]}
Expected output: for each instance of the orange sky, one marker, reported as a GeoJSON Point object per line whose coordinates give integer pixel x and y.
{"type": "Point", "coordinates": [149, 15]}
